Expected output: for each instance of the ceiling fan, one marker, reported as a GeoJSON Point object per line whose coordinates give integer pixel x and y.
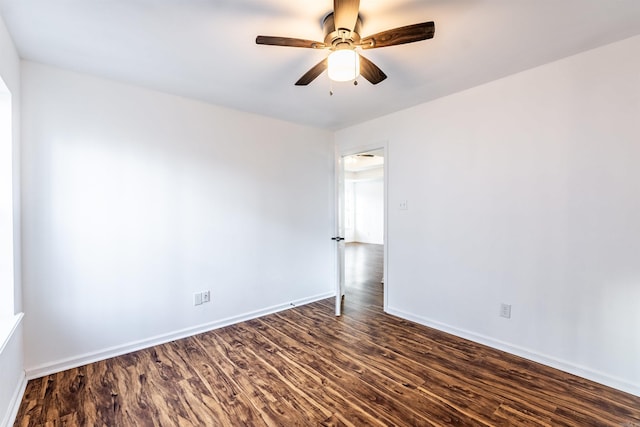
{"type": "Point", "coordinates": [342, 37]}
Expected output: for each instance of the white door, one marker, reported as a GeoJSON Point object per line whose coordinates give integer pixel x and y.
{"type": "Point", "coordinates": [342, 169]}
{"type": "Point", "coordinates": [339, 235]}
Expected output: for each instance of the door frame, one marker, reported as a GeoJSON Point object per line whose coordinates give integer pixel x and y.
{"type": "Point", "coordinates": [339, 155]}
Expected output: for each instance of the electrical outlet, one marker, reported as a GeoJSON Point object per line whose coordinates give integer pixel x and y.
{"type": "Point", "coordinates": [206, 296]}
{"type": "Point", "coordinates": [197, 298]}
{"type": "Point", "coordinates": [403, 205]}
{"type": "Point", "coordinates": [505, 310]}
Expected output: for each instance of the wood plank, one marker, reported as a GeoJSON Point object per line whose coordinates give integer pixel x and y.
{"type": "Point", "coordinates": [269, 394]}
{"type": "Point", "coordinates": [399, 385]}
{"type": "Point", "coordinates": [393, 387]}
{"type": "Point", "coordinates": [320, 379]}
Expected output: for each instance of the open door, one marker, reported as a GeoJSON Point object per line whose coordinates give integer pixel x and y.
{"type": "Point", "coordinates": [339, 234]}
{"type": "Point", "coordinates": [363, 164]}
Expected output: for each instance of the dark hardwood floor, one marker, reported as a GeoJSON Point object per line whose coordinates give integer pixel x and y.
{"type": "Point", "coordinates": [305, 367]}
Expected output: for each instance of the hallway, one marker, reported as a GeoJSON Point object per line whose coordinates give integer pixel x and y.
{"type": "Point", "coordinates": [363, 276]}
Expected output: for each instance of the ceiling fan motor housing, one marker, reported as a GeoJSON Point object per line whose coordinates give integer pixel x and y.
{"type": "Point", "coordinates": [334, 37]}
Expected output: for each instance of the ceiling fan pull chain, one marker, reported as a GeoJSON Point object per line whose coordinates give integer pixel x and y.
{"type": "Point", "coordinates": [355, 67]}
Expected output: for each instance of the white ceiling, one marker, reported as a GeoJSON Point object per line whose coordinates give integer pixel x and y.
{"type": "Point", "coordinates": [205, 49]}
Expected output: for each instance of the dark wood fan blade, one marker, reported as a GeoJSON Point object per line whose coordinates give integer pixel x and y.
{"type": "Point", "coordinates": [400, 35]}
{"type": "Point", "coordinates": [289, 42]}
{"type": "Point", "coordinates": [345, 13]}
{"type": "Point", "coordinates": [314, 72]}
{"type": "Point", "coordinates": [370, 71]}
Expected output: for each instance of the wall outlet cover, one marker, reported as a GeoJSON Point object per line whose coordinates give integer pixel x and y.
{"type": "Point", "coordinates": [505, 310]}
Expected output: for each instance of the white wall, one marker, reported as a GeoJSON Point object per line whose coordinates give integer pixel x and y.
{"type": "Point", "coordinates": [524, 191]}
{"type": "Point", "coordinates": [369, 211]}
{"type": "Point", "coordinates": [11, 355]}
{"type": "Point", "coordinates": [133, 200]}
{"type": "Point", "coordinates": [364, 206]}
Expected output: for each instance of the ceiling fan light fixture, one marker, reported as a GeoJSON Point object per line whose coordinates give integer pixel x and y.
{"type": "Point", "coordinates": [341, 29]}
{"type": "Point", "coordinates": [343, 65]}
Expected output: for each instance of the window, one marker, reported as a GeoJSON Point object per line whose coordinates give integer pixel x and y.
{"type": "Point", "coordinates": [6, 210]}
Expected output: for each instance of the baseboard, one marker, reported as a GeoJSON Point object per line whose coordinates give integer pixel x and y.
{"type": "Point", "coordinates": [84, 359]}
{"type": "Point", "coordinates": [534, 356]}
{"type": "Point", "coordinates": [14, 405]}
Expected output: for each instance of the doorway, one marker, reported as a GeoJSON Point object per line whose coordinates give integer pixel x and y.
{"type": "Point", "coordinates": [361, 202]}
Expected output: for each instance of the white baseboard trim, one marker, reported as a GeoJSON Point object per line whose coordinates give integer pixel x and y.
{"type": "Point", "coordinates": [84, 359]}
{"type": "Point", "coordinates": [534, 356]}
{"type": "Point", "coordinates": [14, 404]}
